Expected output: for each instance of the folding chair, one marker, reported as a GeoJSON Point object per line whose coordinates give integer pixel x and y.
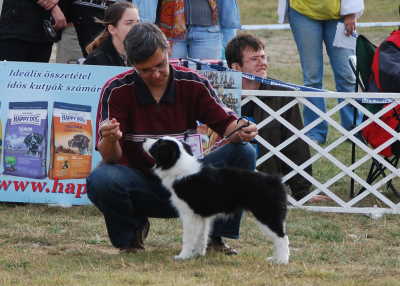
{"type": "Point", "coordinates": [361, 67]}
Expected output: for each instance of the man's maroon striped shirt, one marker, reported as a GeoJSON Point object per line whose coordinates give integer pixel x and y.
{"type": "Point", "coordinates": [188, 99]}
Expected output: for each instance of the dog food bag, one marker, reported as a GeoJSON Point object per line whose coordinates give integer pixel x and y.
{"type": "Point", "coordinates": [71, 141]}
{"type": "Point", "coordinates": [25, 139]}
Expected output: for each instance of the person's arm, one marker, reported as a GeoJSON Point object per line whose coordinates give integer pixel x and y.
{"type": "Point", "coordinates": [47, 4]}
{"type": "Point", "coordinates": [350, 10]}
{"type": "Point", "coordinates": [108, 145]}
{"type": "Point", "coordinates": [60, 22]}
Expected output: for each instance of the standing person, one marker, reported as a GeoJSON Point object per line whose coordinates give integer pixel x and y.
{"type": "Point", "coordinates": [82, 29]}
{"type": "Point", "coordinates": [147, 10]}
{"type": "Point", "coordinates": [22, 33]}
{"type": "Point", "coordinates": [246, 53]}
{"type": "Point", "coordinates": [151, 100]}
{"type": "Point", "coordinates": [192, 27]}
{"type": "Point", "coordinates": [229, 19]}
{"type": "Point", "coordinates": [83, 14]}
{"type": "Point", "coordinates": [108, 47]}
{"type": "Point", "coordinates": [314, 22]}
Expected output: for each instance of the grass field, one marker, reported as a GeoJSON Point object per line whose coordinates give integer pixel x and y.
{"type": "Point", "coordinates": [42, 245]}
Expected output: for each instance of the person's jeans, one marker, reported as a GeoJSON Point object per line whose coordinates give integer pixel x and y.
{"type": "Point", "coordinates": [227, 35]}
{"type": "Point", "coordinates": [126, 197]}
{"type": "Point", "coordinates": [199, 43]}
{"type": "Point", "coordinates": [309, 36]}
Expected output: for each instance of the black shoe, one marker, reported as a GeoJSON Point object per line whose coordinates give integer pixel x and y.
{"type": "Point", "coordinates": [217, 244]}
{"type": "Point", "coordinates": [144, 232]}
{"type": "Point", "coordinates": [140, 237]}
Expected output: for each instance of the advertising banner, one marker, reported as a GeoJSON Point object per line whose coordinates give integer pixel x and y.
{"type": "Point", "coordinates": [47, 130]}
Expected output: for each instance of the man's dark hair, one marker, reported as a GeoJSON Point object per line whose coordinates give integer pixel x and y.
{"type": "Point", "coordinates": [142, 42]}
{"type": "Point", "coordinates": [235, 47]}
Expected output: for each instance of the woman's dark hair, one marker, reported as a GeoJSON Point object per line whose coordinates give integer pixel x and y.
{"type": "Point", "coordinates": [235, 47]}
{"type": "Point", "coordinates": [111, 17]}
{"type": "Point", "coordinates": [142, 41]}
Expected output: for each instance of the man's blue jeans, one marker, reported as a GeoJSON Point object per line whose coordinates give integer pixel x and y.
{"type": "Point", "coordinates": [126, 197]}
{"type": "Point", "coordinates": [309, 36]}
{"type": "Point", "coordinates": [199, 43]}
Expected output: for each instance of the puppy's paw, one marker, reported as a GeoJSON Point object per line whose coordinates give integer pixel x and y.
{"type": "Point", "coordinates": [182, 257]}
{"type": "Point", "coordinates": [278, 260]}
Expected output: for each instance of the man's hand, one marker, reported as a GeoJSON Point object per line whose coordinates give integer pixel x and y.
{"type": "Point", "coordinates": [109, 146]}
{"type": "Point", "coordinates": [60, 22]}
{"type": "Point", "coordinates": [47, 4]}
{"type": "Point", "coordinates": [110, 131]}
{"type": "Point", "coordinates": [241, 130]}
{"type": "Point", "coordinates": [350, 24]}
{"type": "Point", "coordinates": [247, 133]}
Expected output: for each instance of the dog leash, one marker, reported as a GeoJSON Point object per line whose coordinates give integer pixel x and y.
{"type": "Point", "coordinates": [238, 128]}
{"type": "Point", "coordinates": [266, 81]}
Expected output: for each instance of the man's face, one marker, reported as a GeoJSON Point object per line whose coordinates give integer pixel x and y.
{"type": "Point", "coordinates": [155, 70]}
{"type": "Point", "coordinates": [254, 62]}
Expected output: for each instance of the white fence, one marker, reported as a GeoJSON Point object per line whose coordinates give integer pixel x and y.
{"type": "Point", "coordinates": [333, 169]}
{"type": "Point", "coordinates": [287, 26]}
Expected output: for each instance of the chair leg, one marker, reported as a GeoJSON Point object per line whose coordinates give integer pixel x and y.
{"type": "Point", "coordinates": [372, 174]}
{"type": "Point", "coordinates": [394, 161]}
{"type": "Point", "coordinates": [376, 170]}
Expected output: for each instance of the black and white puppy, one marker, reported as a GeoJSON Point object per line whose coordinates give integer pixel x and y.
{"type": "Point", "coordinates": [200, 193]}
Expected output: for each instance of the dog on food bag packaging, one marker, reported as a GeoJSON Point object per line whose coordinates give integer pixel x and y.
{"type": "Point", "coordinates": [25, 139]}
{"type": "Point", "coordinates": [71, 141]}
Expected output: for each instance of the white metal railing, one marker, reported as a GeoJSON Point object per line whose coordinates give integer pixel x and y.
{"type": "Point", "coordinates": [287, 26]}
{"type": "Point", "coordinates": [374, 200]}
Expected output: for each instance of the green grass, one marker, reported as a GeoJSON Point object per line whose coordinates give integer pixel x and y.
{"type": "Point", "coordinates": [326, 249]}
{"type": "Point", "coordinates": [41, 245]}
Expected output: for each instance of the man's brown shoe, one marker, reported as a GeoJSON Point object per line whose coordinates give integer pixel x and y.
{"type": "Point", "coordinates": [138, 243]}
{"type": "Point", "coordinates": [217, 244]}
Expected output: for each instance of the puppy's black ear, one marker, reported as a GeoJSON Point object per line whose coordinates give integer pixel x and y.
{"type": "Point", "coordinates": [187, 148]}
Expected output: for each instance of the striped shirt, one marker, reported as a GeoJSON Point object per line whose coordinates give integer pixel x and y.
{"type": "Point", "coordinates": [188, 99]}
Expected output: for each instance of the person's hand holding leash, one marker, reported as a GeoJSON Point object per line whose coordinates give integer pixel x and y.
{"type": "Point", "coordinates": [243, 130]}
{"type": "Point", "coordinates": [248, 132]}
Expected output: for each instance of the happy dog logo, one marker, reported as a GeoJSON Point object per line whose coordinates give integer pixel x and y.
{"type": "Point", "coordinates": [71, 117]}
{"type": "Point", "coordinates": [26, 118]}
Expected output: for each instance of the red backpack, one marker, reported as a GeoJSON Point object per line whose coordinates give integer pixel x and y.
{"type": "Point", "coordinates": [386, 64]}
{"type": "Point", "coordinates": [375, 135]}
{"type": "Point", "coordinates": [386, 78]}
